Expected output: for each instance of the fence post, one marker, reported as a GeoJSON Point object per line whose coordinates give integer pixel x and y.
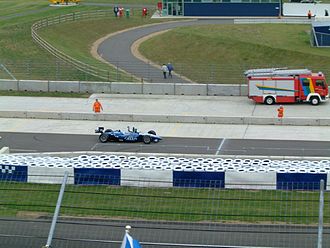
{"type": "Point", "coordinates": [57, 211]}
{"type": "Point", "coordinates": [149, 77]}
{"type": "Point", "coordinates": [117, 73]}
{"type": "Point", "coordinates": [321, 206]}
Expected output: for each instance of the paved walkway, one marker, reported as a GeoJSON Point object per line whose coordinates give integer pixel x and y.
{"type": "Point", "coordinates": [212, 106]}
{"type": "Point", "coordinates": [151, 106]}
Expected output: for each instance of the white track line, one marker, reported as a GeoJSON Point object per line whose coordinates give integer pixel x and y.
{"type": "Point", "coordinates": [220, 146]}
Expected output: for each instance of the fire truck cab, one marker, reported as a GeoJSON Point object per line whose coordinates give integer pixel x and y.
{"type": "Point", "coordinates": [278, 85]}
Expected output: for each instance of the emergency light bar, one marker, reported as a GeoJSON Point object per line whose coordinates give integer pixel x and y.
{"type": "Point", "coordinates": [276, 72]}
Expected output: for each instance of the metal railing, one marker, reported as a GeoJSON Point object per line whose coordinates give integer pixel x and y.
{"type": "Point", "coordinates": [58, 70]}
{"type": "Point", "coordinates": [319, 39]}
{"type": "Point", "coordinates": [71, 17]}
{"type": "Point", "coordinates": [94, 213]}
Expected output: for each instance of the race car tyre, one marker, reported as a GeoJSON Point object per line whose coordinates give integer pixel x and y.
{"type": "Point", "coordinates": [315, 100]}
{"type": "Point", "coordinates": [146, 139]}
{"type": "Point", "coordinates": [103, 138]}
{"type": "Point", "coordinates": [108, 130]}
{"type": "Point", "coordinates": [152, 132]}
{"type": "Point", "coordinates": [269, 100]}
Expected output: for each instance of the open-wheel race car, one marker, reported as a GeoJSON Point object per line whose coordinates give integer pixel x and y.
{"type": "Point", "coordinates": [130, 136]}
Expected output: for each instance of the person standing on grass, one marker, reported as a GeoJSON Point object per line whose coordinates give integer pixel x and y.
{"type": "Point", "coordinates": [170, 68]}
{"type": "Point", "coordinates": [97, 106]}
{"type": "Point", "coordinates": [164, 70]}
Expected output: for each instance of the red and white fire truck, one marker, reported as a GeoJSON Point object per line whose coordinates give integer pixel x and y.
{"type": "Point", "coordinates": [280, 85]}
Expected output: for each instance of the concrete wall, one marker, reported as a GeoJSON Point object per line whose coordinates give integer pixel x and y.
{"type": "Point", "coordinates": [301, 9]}
{"type": "Point", "coordinates": [124, 87]}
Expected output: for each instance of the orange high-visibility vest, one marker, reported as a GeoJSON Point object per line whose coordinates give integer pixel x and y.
{"type": "Point", "coordinates": [280, 112]}
{"type": "Point", "coordinates": [97, 107]}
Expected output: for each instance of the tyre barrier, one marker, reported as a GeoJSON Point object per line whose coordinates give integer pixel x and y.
{"type": "Point", "coordinates": [153, 171]}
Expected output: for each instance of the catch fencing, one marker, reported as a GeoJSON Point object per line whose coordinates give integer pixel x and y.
{"type": "Point", "coordinates": [319, 39]}
{"type": "Point", "coordinates": [95, 215]}
{"type": "Point", "coordinates": [57, 70]}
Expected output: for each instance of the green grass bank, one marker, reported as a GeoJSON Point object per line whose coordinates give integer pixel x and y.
{"type": "Point", "coordinates": [170, 204]}
{"type": "Point", "coordinates": [222, 51]}
{"type": "Point", "coordinates": [212, 53]}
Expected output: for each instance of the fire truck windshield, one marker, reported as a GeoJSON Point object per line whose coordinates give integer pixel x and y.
{"type": "Point", "coordinates": [320, 83]}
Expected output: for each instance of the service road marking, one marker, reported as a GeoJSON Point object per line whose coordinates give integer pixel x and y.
{"type": "Point", "coordinates": [23, 150]}
{"type": "Point", "coordinates": [94, 146]}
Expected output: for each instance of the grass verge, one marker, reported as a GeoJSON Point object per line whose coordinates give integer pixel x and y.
{"type": "Point", "coordinates": [24, 59]}
{"type": "Point", "coordinates": [220, 53]}
{"type": "Point", "coordinates": [172, 204]}
{"type": "Point", "coordinates": [43, 94]}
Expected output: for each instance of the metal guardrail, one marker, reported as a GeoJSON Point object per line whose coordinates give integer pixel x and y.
{"type": "Point", "coordinates": [71, 17]}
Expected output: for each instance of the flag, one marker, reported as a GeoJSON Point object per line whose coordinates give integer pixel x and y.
{"type": "Point", "coordinates": [129, 242]}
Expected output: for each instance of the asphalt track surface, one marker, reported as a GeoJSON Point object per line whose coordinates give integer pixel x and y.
{"type": "Point", "coordinates": [98, 234]}
{"type": "Point", "coordinates": [43, 142]}
{"type": "Point", "coordinates": [117, 49]}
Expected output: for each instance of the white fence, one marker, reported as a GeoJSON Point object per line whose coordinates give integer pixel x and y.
{"type": "Point", "coordinates": [301, 9]}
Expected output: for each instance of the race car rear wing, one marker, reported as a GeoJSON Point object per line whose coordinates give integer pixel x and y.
{"type": "Point", "coordinates": [99, 130]}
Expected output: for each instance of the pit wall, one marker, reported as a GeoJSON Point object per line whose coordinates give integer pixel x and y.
{"type": "Point", "coordinates": [167, 171]}
{"type": "Point", "coordinates": [124, 87]}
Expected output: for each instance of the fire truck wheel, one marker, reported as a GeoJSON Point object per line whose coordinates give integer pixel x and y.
{"type": "Point", "coordinates": [315, 100]}
{"type": "Point", "coordinates": [269, 100]}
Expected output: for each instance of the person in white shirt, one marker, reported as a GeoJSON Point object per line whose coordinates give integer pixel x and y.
{"type": "Point", "coordinates": [164, 70]}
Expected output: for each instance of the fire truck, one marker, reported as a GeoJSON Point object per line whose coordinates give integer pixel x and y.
{"type": "Point", "coordinates": [281, 85]}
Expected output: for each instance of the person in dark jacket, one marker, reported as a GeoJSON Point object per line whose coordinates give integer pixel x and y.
{"type": "Point", "coordinates": [170, 68]}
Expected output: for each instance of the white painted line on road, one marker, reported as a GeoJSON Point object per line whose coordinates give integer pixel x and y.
{"type": "Point", "coordinates": [220, 146]}
{"type": "Point", "coordinates": [23, 150]}
{"type": "Point", "coordinates": [94, 146]}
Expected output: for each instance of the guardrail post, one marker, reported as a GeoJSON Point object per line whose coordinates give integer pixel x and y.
{"type": "Point", "coordinates": [149, 77]}
{"type": "Point", "coordinates": [57, 211]}
{"type": "Point", "coordinates": [321, 206]}
{"type": "Point", "coordinates": [117, 71]}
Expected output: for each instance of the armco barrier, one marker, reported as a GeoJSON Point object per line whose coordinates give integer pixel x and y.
{"type": "Point", "coordinates": [167, 171]}
{"type": "Point", "coordinates": [124, 87]}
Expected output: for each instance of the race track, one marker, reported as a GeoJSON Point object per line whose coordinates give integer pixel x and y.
{"type": "Point", "coordinates": [43, 142]}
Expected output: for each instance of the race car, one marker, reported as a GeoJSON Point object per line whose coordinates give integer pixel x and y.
{"type": "Point", "coordinates": [130, 136]}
